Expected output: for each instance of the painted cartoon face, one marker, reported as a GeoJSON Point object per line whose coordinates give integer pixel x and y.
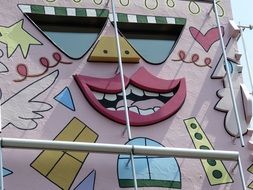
{"type": "Point", "coordinates": [150, 38]}
{"type": "Point", "coordinates": [146, 40]}
{"type": "Point", "coordinates": [150, 99]}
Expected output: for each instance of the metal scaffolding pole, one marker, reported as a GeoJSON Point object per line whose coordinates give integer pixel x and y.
{"type": "Point", "coordinates": [1, 170]}
{"type": "Point", "coordinates": [229, 76]}
{"type": "Point", "coordinates": [118, 149]}
{"type": "Point", "coordinates": [246, 56]}
{"type": "Point", "coordinates": [121, 71]}
{"type": "Point", "coordinates": [123, 91]}
{"type": "Point", "coordinates": [241, 173]}
{"type": "Point", "coordinates": [124, 149]}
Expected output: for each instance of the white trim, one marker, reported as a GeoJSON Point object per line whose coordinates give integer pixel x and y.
{"type": "Point", "coordinates": [71, 11]}
{"type": "Point", "coordinates": [91, 12]}
{"type": "Point", "coordinates": [171, 20]}
{"type": "Point", "coordinates": [49, 10]}
{"type": "Point", "coordinates": [132, 18]}
{"type": "Point", "coordinates": [151, 19]}
{"type": "Point", "coordinates": [25, 8]}
{"type": "Point", "coordinates": [111, 17]}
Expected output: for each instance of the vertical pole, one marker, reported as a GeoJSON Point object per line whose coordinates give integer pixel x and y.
{"type": "Point", "coordinates": [1, 157]}
{"type": "Point", "coordinates": [1, 171]}
{"type": "Point", "coordinates": [134, 172]}
{"type": "Point", "coordinates": [229, 76]}
{"type": "Point", "coordinates": [121, 71]}
{"type": "Point", "coordinates": [124, 92]}
{"type": "Point", "coordinates": [241, 173]}
{"type": "Point", "coordinates": [247, 61]}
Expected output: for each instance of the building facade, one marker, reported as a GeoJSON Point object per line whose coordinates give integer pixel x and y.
{"type": "Point", "coordinates": [61, 80]}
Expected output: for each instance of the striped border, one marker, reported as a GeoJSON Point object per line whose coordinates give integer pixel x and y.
{"type": "Point", "coordinates": [63, 11]}
{"type": "Point", "coordinates": [121, 17]}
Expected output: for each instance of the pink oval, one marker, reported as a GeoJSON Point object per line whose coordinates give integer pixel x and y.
{"type": "Point", "coordinates": [44, 61]}
{"type": "Point", "coordinates": [22, 69]}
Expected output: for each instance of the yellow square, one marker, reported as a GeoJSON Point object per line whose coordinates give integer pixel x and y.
{"type": "Point", "coordinates": [65, 171]}
{"type": "Point", "coordinates": [71, 131]}
{"type": "Point", "coordinates": [87, 135]}
{"type": "Point", "coordinates": [46, 161]}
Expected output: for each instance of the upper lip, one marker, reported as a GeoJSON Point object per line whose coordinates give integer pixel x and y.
{"type": "Point", "coordinates": [100, 91]}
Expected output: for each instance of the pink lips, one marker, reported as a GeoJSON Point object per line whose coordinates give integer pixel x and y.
{"type": "Point", "coordinates": [143, 80]}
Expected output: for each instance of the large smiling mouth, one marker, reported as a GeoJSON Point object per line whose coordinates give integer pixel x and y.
{"type": "Point", "coordinates": [150, 99]}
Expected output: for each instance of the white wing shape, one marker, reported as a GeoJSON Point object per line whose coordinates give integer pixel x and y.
{"type": "Point", "coordinates": [22, 110]}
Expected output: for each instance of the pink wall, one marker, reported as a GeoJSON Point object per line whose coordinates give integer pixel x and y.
{"type": "Point", "coordinates": [33, 105]}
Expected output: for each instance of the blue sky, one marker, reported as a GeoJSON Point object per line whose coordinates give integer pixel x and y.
{"type": "Point", "coordinates": [243, 14]}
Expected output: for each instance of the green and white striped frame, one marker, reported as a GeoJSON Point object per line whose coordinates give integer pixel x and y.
{"type": "Point", "coordinates": [88, 12]}
{"type": "Point", "coordinates": [131, 18]}
{"type": "Point", "coordinates": [63, 11]}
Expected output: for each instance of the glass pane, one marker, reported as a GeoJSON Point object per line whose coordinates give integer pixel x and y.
{"type": "Point", "coordinates": [72, 43]}
{"type": "Point", "coordinates": [153, 50]}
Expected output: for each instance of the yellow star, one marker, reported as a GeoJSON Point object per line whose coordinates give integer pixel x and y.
{"type": "Point", "coordinates": [14, 36]}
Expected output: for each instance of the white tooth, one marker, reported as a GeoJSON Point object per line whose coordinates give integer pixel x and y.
{"type": "Point", "coordinates": [146, 112]}
{"type": "Point", "coordinates": [98, 95]}
{"type": "Point", "coordinates": [128, 90]}
{"type": "Point", "coordinates": [152, 94]}
{"type": "Point", "coordinates": [111, 97]}
{"type": "Point", "coordinates": [112, 109]}
{"type": "Point", "coordinates": [134, 109]}
{"type": "Point", "coordinates": [170, 94]}
{"type": "Point", "coordinates": [121, 93]}
{"type": "Point", "coordinates": [156, 109]}
{"type": "Point", "coordinates": [137, 91]}
{"type": "Point", "coordinates": [121, 108]}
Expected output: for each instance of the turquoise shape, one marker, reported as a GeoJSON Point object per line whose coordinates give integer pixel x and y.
{"type": "Point", "coordinates": [6, 172]}
{"type": "Point", "coordinates": [87, 183]}
{"type": "Point", "coordinates": [65, 98]}
{"type": "Point", "coordinates": [73, 44]}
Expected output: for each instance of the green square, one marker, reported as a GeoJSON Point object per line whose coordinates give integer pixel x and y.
{"type": "Point", "coordinates": [160, 20]}
{"type": "Point", "coordinates": [60, 11]}
{"type": "Point", "coordinates": [142, 19]}
{"type": "Point", "coordinates": [102, 12]}
{"type": "Point", "coordinates": [122, 17]}
{"type": "Point", "coordinates": [81, 12]}
{"type": "Point", "coordinates": [180, 21]}
{"type": "Point", "coordinates": [38, 9]}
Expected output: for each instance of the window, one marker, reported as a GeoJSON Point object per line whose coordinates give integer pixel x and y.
{"type": "Point", "coordinates": [72, 30]}
{"type": "Point", "coordinates": [153, 37]}
{"type": "Point", "coordinates": [151, 171]}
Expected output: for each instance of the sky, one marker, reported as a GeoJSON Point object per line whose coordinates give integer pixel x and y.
{"type": "Point", "coordinates": [243, 15]}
